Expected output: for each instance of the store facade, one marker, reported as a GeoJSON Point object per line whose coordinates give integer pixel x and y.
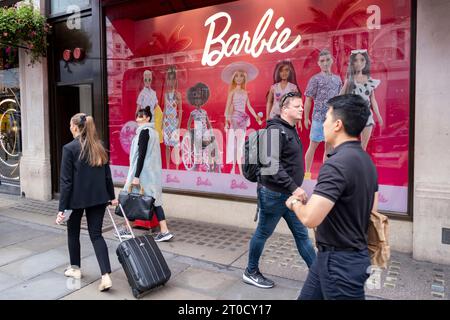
{"type": "Point", "coordinates": [110, 56]}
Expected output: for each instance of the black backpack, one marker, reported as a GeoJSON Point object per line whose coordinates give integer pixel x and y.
{"type": "Point", "coordinates": [252, 162]}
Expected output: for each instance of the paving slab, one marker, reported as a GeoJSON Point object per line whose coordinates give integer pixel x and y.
{"type": "Point", "coordinates": [220, 244]}
{"type": "Point", "coordinates": [206, 282]}
{"type": "Point", "coordinates": [37, 264]}
{"type": "Point", "coordinates": [12, 253]}
{"type": "Point", "coordinates": [8, 227]}
{"type": "Point", "coordinates": [7, 281]}
{"type": "Point", "coordinates": [46, 286]}
{"type": "Point", "coordinates": [241, 291]}
{"type": "Point", "coordinates": [11, 238]}
{"type": "Point", "coordinates": [30, 217]}
{"type": "Point", "coordinates": [43, 243]}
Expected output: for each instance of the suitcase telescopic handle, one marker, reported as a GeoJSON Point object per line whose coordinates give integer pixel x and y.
{"type": "Point", "coordinates": [126, 221]}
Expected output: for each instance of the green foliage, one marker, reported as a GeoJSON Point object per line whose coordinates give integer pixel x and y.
{"type": "Point", "coordinates": [23, 26]}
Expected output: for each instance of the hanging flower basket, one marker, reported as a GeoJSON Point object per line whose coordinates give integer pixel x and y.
{"type": "Point", "coordinates": [22, 26]}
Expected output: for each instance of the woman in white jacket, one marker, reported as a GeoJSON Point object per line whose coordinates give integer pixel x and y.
{"type": "Point", "coordinates": [146, 169]}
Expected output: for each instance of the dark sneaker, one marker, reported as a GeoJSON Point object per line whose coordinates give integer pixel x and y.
{"type": "Point", "coordinates": [163, 237]}
{"type": "Point", "coordinates": [257, 279]}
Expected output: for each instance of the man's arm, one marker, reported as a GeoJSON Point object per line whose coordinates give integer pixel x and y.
{"type": "Point", "coordinates": [329, 188]}
{"type": "Point", "coordinates": [314, 212]}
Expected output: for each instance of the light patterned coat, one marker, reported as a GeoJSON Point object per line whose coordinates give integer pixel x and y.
{"type": "Point", "coordinates": [151, 175]}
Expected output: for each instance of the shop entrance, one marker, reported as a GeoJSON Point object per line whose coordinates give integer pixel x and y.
{"type": "Point", "coordinates": [70, 100]}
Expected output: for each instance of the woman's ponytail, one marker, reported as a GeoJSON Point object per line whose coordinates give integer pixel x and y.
{"type": "Point", "coordinates": [92, 149]}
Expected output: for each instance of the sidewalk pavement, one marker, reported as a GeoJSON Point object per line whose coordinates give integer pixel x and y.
{"type": "Point", "coordinates": [206, 260]}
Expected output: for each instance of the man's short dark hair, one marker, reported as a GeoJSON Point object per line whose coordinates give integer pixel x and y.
{"type": "Point", "coordinates": [352, 110]}
{"type": "Point", "coordinates": [286, 99]}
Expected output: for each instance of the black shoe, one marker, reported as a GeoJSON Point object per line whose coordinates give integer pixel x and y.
{"type": "Point", "coordinates": [257, 279]}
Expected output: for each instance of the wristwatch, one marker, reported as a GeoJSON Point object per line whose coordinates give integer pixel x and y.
{"type": "Point", "coordinates": [293, 202]}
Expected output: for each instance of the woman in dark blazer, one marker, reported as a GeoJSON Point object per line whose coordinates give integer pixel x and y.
{"type": "Point", "coordinates": [85, 185]}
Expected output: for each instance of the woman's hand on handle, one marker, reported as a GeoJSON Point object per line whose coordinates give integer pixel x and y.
{"type": "Point", "coordinates": [60, 217]}
{"type": "Point", "coordinates": [135, 182]}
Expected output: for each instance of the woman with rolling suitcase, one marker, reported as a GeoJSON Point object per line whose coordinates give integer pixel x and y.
{"type": "Point", "coordinates": [146, 170]}
{"type": "Point", "coordinates": [85, 186]}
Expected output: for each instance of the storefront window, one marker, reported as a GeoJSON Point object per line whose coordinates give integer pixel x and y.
{"type": "Point", "coordinates": [10, 125]}
{"type": "Point", "coordinates": [196, 60]}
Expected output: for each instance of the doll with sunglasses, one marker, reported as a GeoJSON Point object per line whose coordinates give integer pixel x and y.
{"type": "Point", "coordinates": [359, 82]}
{"type": "Point", "coordinates": [147, 97]}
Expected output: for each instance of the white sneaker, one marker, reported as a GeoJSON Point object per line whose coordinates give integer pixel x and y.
{"type": "Point", "coordinates": [105, 283]}
{"type": "Point", "coordinates": [73, 272]}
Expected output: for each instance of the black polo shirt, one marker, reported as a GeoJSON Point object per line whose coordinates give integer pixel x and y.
{"type": "Point", "coordinates": [349, 179]}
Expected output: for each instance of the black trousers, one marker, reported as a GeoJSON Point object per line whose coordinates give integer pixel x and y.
{"type": "Point", "coordinates": [337, 275]}
{"type": "Point", "coordinates": [159, 211]}
{"type": "Point", "coordinates": [94, 216]}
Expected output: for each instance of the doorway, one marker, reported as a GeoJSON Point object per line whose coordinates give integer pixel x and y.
{"type": "Point", "coordinates": [69, 100]}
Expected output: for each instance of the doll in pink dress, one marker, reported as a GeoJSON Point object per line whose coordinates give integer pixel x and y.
{"type": "Point", "coordinates": [236, 118]}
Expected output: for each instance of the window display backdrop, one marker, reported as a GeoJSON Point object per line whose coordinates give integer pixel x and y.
{"type": "Point", "coordinates": [233, 58]}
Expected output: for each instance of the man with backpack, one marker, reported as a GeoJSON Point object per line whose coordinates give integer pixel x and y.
{"type": "Point", "coordinates": [281, 178]}
{"type": "Point", "coordinates": [340, 207]}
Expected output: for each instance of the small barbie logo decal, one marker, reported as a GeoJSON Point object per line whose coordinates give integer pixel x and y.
{"type": "Point", "coordinates": [201, 182]}
{"type": "Point", "coordinates": [236, 185]}
{"type": "Point", "coordinates": [382, 199]}
{"type": "Point", "coordinates": [118, 174]}
{"type": "Point", "coordinates": [127, 134]}
{"type": "Point", "coordinates": [172, 179]}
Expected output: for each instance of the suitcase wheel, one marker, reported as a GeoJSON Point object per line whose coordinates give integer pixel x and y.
{"type": "Point", "coordinates": [136, 293]}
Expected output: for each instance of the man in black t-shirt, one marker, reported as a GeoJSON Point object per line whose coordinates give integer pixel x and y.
{"type": "Point", "coordinates": [345, 194]}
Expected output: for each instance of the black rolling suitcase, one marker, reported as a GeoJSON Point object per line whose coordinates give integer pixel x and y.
{"type": "Point", "coordinates": [142, 261]}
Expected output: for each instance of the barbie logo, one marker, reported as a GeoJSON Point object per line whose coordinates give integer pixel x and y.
{"type": "Point", "coordinates": [382, 199]}
{"type": "Point", "coordinates": [118, 174]}
{"type": "Point", "coordinates": [201, 182]}
{"type": "Point", "coordinates": [127, 134]}
{"type": "Point", "coordinates": [254, 45]}
{"type": "Point", "coordinates": [170, 179]}
{"type": "Point", "coordinates": [235, 185]}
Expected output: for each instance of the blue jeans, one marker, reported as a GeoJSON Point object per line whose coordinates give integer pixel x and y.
{"type": "Point", "coordinates": [337, 275]}
{"type": "Point", "coordinates": [271, 208]}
